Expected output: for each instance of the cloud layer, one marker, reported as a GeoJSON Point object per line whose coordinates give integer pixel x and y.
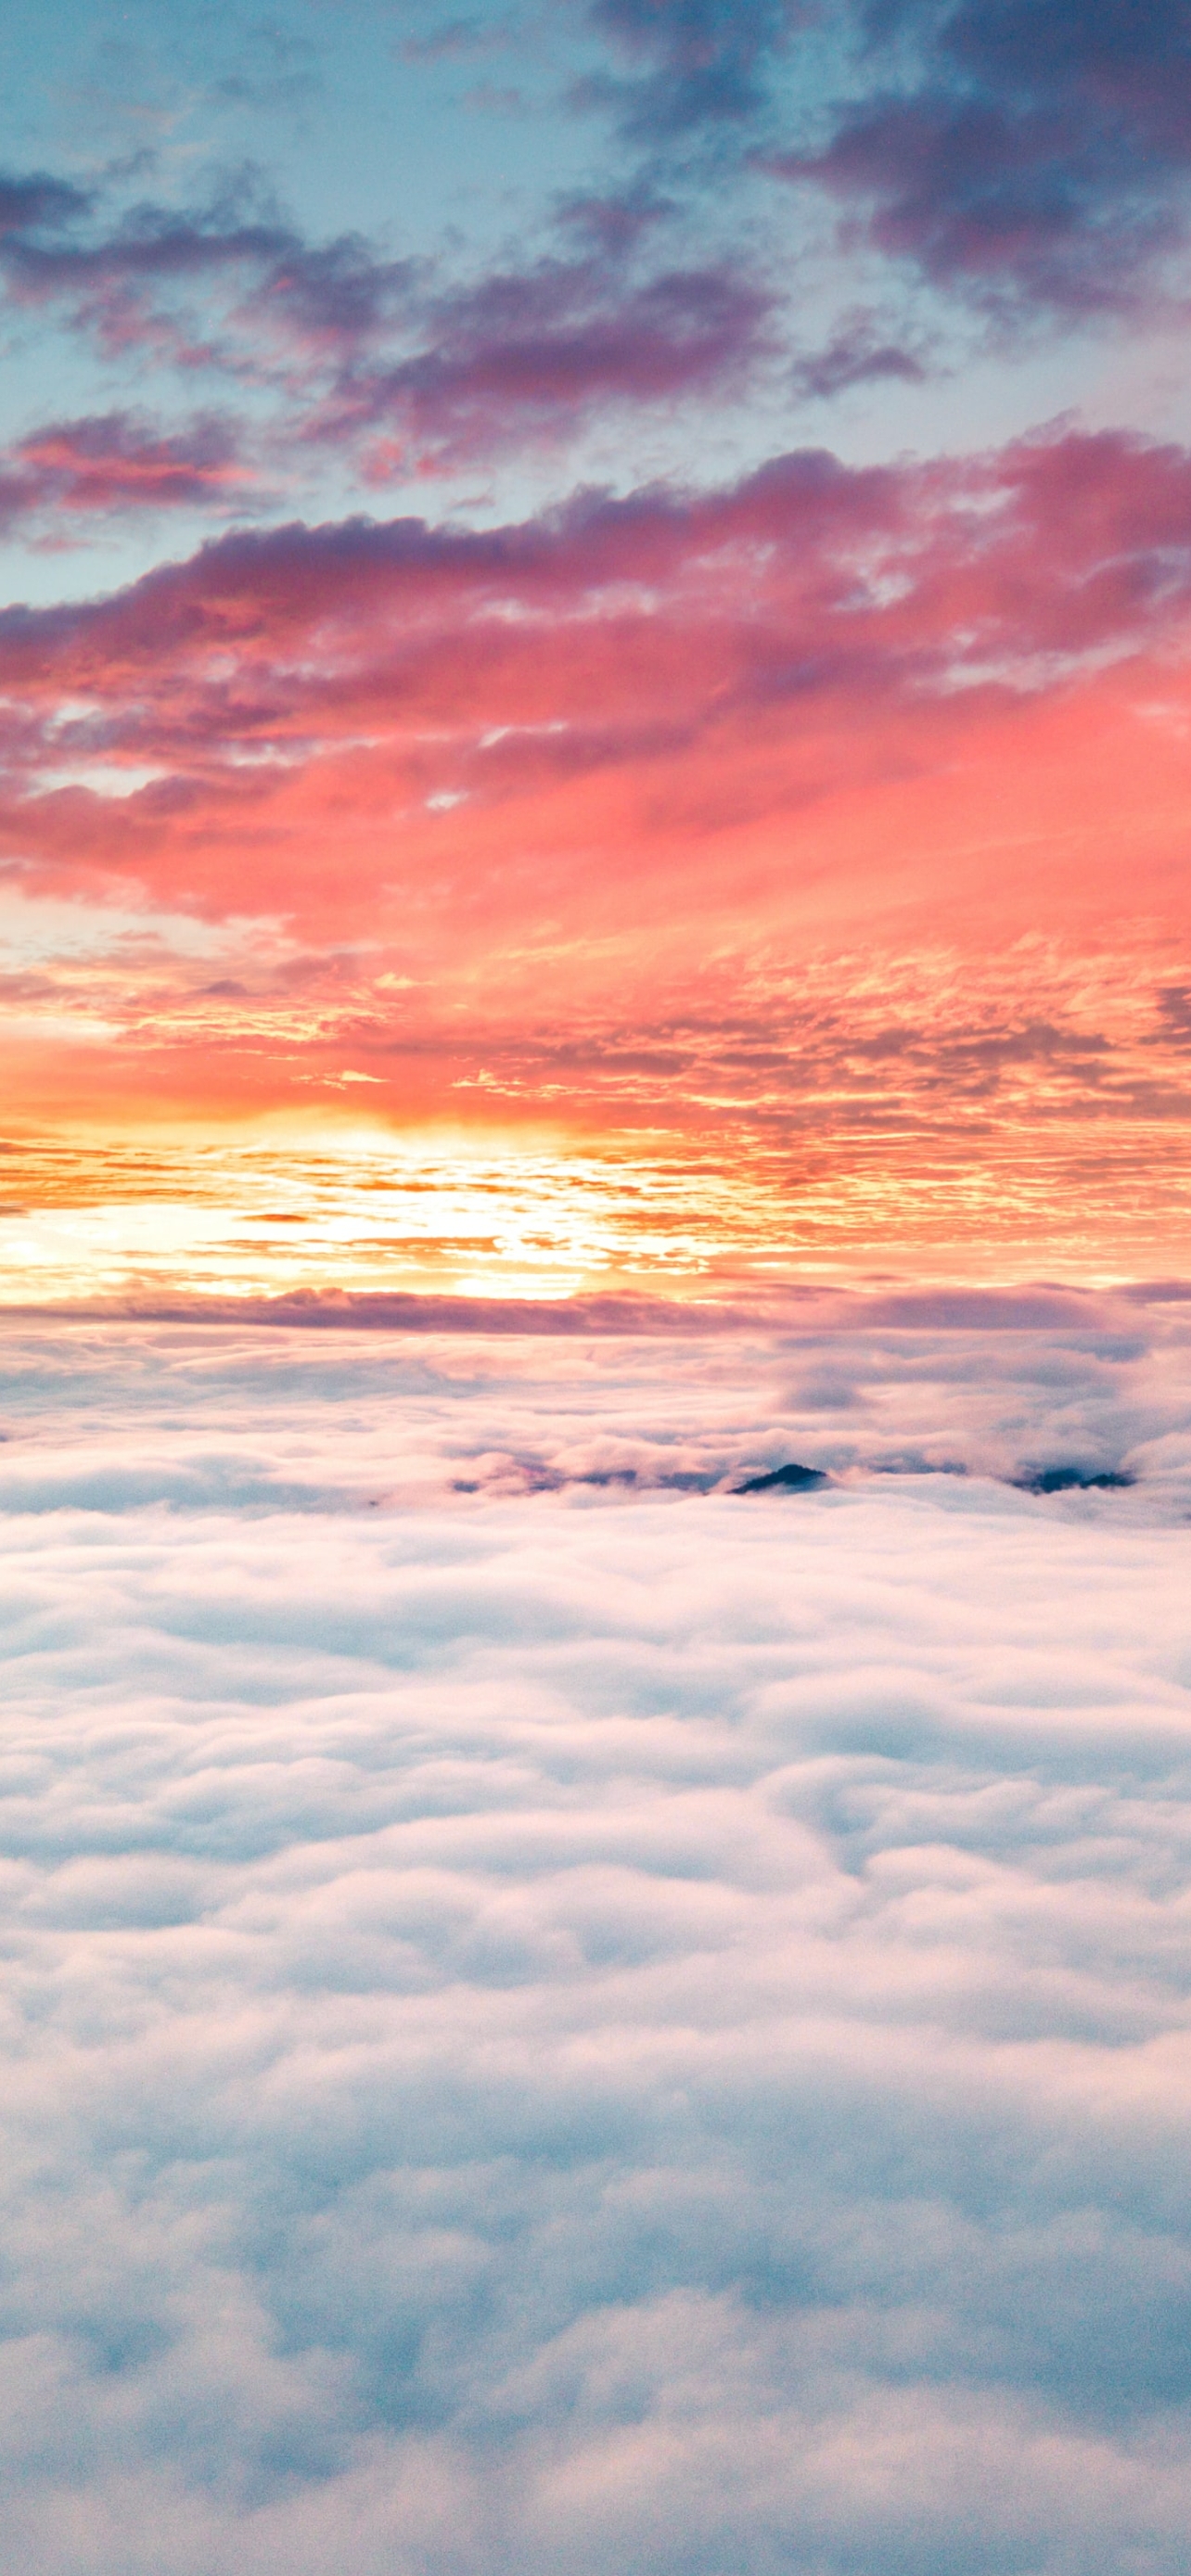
{"type": "Point", "coordinates": [828, 820]}
{"type": "Point", "coordinates": [669, 639]}
{"type": "Point", "coordinates": [363, 1404]}
{"type": "Point", "coordinates": [567, 2030]}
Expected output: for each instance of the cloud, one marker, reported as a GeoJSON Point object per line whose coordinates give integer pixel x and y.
{"type": "Point", "coordinates": [807, 577]}
{"type": "Point", "coordinates": [534, 351]}
{"type": "Point", "coordinates": [1034, 161]}
{"type": "Point", "coordinates": [605, 1396]}
{"type": "Point", "coordinates": [123, 275]}
{"type": "Point", "coordinates": [745, 651]}
{"type": "Point", "coordinates": [1038, 160]}
{"type": "Point", "coordinates": [350, 342]}
{"type": "Point", "coordinates": [569, 2030]}
{"type": "Point", "coordinates": [613, 790]}
{"type": "Point", "coordinates": [36, 201]}
{"type": "Point", "coordinates": [698, 66]}
{"type": "Point", "coordinates": [43, 255]}
{"type": "Point", "coordinates": [459, 39]}
{"type": "Point", "coordinates": [114, 461]}
{"type": "Point", "coordinates": [856, 354]}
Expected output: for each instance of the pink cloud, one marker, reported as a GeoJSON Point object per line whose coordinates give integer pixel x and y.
{"type": "Point", "coordinates": [573, 812]}
{"type": "Point", "coordinates": [113, 462]}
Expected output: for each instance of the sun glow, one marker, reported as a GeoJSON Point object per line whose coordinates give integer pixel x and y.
{"type": "Point", "coordinates": [290, 1207]}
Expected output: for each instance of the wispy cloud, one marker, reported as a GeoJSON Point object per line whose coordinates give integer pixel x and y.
{"type": "Point", "coordinates": [535, 352]}
{"type": "Point", "coordinates": [350, 342]}
{"type": "Point", "coordinates": [688, 67]}
{"type": "Point", "coordinates": [1039, 160]}
{"type": "Point", "coordinates": [126, 275]}
{"type": "Point", "coordinates": [109, 463]}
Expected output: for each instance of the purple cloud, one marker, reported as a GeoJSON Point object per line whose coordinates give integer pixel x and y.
{"type": "Point", "coordinates": [356, 343]}
{"type": "Point", "coordinates": [119, 279]}
{"type": "Point", "coordinates": [856, 354]}
{"type": "Point", "coordinates": [38, 203]}
{"type": "Point", "coordinates": [113, 462]}
{"type": "Point", "coordinates": [698, 66]}
{"type": "Point", "coordinates": [536, 350]}
{"type": "Point", "coordinates": [1037, 158]}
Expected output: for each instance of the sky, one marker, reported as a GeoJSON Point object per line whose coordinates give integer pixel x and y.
{"type": "Point", "coordinates": [595, 631]}
{"type": "Point", "coordinates": [595, 1314]}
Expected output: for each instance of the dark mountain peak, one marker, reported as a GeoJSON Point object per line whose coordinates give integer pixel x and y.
{"type": "Point", "coordinates": [793, 1479]}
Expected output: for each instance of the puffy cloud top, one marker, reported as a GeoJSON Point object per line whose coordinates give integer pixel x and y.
{"type": "Point", "coordinates": [562, 2029]}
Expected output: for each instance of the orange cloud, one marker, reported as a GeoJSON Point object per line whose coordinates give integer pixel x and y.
{"type": "Point", "coordinates": [627, 814]}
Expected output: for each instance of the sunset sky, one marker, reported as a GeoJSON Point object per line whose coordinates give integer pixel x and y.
{"type": "Point", "coordinates": [596, 685]}
{"type": "Point", "coordinates": [595, 1288]}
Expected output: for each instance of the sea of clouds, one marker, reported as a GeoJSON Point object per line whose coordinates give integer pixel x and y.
{"type": "Point", "coordinates": [560, 2017]}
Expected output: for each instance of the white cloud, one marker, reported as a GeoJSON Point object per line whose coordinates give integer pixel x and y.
{"type": "Point", "coordinates": [614, 2026]}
